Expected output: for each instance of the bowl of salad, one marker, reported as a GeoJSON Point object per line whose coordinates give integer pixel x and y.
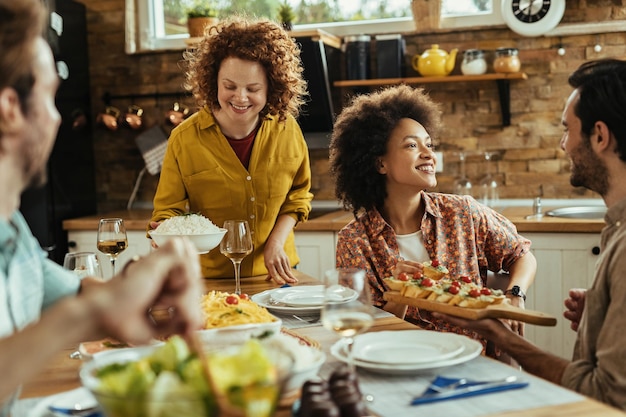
{"type": "Point", "coordinates": [169, 380]}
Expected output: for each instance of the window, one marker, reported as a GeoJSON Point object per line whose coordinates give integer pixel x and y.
{"type": "Point", "coordinates": [161, 24]}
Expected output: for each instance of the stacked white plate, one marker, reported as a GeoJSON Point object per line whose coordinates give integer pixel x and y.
{"type": "Point", "coordinates": [408, 351]}
{"type": "Point", "coordinates": [301, 299]}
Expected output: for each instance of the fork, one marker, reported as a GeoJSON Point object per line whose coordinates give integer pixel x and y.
{"type": "Point", "coordinates": [309, 321]}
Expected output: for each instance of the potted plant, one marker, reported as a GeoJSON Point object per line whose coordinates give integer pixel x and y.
{"type": "Point", "coordinates": [286, 15]}
{"type": "Point", "coordinates": [199, 16]}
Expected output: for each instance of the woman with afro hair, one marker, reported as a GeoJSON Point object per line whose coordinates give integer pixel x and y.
{"type": "Point", "coordinates": [242, 155]}
{"type": "Point", "coordinates": [383, 162]}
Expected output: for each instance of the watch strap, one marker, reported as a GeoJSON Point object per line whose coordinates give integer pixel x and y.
{"type": "Point", "coordinates": [516, 291]}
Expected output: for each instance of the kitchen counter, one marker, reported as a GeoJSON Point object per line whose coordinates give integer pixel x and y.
{"type": "Point", "coordinates": [335, 220]}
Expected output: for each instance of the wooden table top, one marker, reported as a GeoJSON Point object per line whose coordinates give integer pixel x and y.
{"type": "Point", "coordinates": [62, 373]}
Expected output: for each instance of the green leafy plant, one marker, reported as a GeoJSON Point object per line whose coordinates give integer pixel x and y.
{"type": "Point", "coordinates": [202, 9]}
{"type": "Point", "coordinates": [286, 15]}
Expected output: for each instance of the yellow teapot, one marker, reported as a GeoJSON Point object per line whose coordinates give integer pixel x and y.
{"type": "Point", "coordinates": [434, 62]}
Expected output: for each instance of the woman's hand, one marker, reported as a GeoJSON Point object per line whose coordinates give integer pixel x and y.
{"type": "Point", "coordinates": [575, 305]}
{"type": "Point", "coordinates": [277, 263]}
{"type": "Point", "coordinates": [516, 326]}
{"type": "Point", "coordinates": [154, 225]}
{"type": "Point", "coordinates": [410, 267]}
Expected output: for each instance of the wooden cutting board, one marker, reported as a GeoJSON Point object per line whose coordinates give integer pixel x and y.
{"type": "Point", "coordinates": [496, 311]}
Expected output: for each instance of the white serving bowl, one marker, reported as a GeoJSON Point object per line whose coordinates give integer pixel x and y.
{"type": "Point", "coordinates": [203, 242]}
{"type": "Point", "coordinates": [235, 335]}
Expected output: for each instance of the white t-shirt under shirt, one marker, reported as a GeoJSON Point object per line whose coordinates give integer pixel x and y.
{"type": "Point", "coordinates": [412, 247]}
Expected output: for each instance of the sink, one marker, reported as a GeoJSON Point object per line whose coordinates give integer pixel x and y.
{"type": "Point", "coordinates": [579, 212]}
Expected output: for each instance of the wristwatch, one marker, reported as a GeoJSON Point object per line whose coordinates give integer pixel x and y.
{"type": "Point", "coordinates": [516, 291]}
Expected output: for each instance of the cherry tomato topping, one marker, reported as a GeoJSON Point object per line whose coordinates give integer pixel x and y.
{"type": "Point", "coordinates": [417, 275]}
{"type": "Point", "coordinates": [427, 282]}
{"type": "Point", "coordinates": [453, 289]}
{"type": "Point", "coordinates": [466, 279]}
{"type": "Point", "coordinates": [403, 276]}
{"type": "Point", "coordinates": [244, 296]}
{"type": "Point", "coordinates": [434, 263]}
{"type": "Point", "coordinates": [485, 291]}
{"type": "Point", "coordinates": [474, 292]}
{"type": "Point", "coordinates": [456, 283]}
{"type": "Point", "coordinates": [232, 299]}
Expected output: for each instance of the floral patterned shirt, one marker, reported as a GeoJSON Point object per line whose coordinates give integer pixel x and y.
{"type": "Point", "coordinates": [465, 236]}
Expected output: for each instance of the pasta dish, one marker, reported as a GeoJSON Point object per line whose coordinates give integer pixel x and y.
{"type": "Point", "coordinates": [222, 309]}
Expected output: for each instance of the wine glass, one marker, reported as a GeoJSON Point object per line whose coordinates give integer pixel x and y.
{"type": "Point", "coordinates": [112, 239]}
{"type": "Point", "coordinates": [462, 185]}
{"type": "Point", "coordinates": [347, 308]}
{"type": "Point", "coordinates": [236, 245]}
{"type": "Point", "coordinates": [83, 264]}
{"type": "Point", "coordinates": [489, 185]}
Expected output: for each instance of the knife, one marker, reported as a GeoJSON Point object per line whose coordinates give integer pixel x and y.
{"type": "Point", "coordinates": [468, 391]}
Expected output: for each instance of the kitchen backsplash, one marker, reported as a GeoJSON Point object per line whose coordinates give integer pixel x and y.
{"type": "Point", "coordinates": [528, 153]}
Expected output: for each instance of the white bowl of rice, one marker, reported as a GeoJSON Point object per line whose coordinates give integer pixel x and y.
{"type": "Point", "coordinates": [200, 230]}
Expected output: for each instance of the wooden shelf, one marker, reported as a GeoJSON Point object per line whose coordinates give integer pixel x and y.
{"type": "Point", "coordinates": [503, 81]}
{"type": "Point", "coordinates": [428, 80]}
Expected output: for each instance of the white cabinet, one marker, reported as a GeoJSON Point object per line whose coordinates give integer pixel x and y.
{"type": "Point", "coordinates": [564, 261]}
{"type": "Point", "coordinates": [316, 250]}
{"type": "Point", "coordinates": [85, 241]}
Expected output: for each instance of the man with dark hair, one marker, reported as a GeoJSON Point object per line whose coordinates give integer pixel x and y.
{"type": "Point", "coordinates": [44, 308]}
{"type": "Point", "coordinates": [594, 138]}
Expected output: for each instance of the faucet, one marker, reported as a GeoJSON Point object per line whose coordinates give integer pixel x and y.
{"type": "Point", "coordinates": [537, 211]}
{"type": "Point", "coordinates": [537, 202]}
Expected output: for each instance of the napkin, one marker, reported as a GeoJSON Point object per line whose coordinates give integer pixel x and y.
{"type": "Point", "coordinates": [468, 389]}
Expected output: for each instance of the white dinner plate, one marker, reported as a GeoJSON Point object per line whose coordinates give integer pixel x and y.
{"type": "Point", "coordinates": [401, 348]}
{"type": "Point", "coordinates": [471, 349]}
{"type": "Point", "coordinates": [309, 295]}
{"type": "Point", "coordinates": [263, 299]}
{"type": "Point", "coordinates": [64, 399]}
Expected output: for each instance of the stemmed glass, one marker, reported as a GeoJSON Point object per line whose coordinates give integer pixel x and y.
{"type": "Point", "coordinates": [236, 245]}
{"type": "Point", "coordinates": [489, 185]}
{"type": "Point", "coordinates": [112, 239]}
{"type": "Point", "coordinates": [83, 264]}
{"type": "Point", "coordinates": [347, 308]}
{"type": "Point", "coordinates": [462, 185]}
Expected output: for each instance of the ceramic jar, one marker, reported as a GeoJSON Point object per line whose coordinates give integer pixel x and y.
{"type": "Point", "coordinates": [507, 60]}
{"type": "Point", "coordinates": [473, 62]}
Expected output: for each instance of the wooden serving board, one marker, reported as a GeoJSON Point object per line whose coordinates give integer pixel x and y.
{"type": "Point", "coordinates": [496, 311]}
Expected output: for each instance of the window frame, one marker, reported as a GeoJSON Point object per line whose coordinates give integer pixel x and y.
{"type": "Point", "coordinates": [144, 31]}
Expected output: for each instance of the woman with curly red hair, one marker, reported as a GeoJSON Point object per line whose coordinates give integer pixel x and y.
{"type": "Point", "coordinates": [242, 155]}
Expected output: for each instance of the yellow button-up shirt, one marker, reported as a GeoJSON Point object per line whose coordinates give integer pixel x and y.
{"type": "Point", "coordinates": [202, 174]}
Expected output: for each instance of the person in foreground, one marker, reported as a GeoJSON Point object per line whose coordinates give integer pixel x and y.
{"type": "Point", "coordinates": [44, 308]}
{"type": "Point", "coordinates": [243, 155]}
{"type": "Point", "coordinates": [382, 157]}
{"type": "Point", "coordinates": [594, 138]}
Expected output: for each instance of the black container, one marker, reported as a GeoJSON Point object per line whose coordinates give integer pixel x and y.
{"type": "Point", "coordinates": [357, 50]}
{"type": "Point", "coordinates": [389, 56]}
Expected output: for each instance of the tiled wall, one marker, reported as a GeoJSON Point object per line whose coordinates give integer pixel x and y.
{"type": "Point", "coordinates": [528, 150]}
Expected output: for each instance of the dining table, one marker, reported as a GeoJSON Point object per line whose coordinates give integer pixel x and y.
{"type": "Point", "coordinates": [389, 395]}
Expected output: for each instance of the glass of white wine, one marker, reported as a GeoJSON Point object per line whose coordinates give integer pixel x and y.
{"type": "Point", "coordinates": [236, 245]}
{"type": "Point", "coordinates": [347, 308]}
{"type": "Point", "coordinates": [112, 239]}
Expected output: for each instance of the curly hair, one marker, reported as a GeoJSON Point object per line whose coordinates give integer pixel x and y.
{"type": "Point", "coordinates": [602, 87]}
{"type": "Point", "coordinates": [360, 137]}
{"type": "Point", "coordinates": [262, 41]}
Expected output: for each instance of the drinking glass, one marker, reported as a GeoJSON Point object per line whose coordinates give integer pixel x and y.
{"type": "Point", "coordinates": [112, 239]}
{"type": "Point", "coordinates": [462, 185]}
{"type": "Point", "coordinates": [347, 308]}
{"type": "Point", "coordinates": [236, 245]}
{"type": "Point", "coordinates": [489, 195]}
{"type": "Point", "coordinates": [83, 264]}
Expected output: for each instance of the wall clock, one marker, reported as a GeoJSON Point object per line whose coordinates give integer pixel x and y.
{"type": "Point", "coordinates": [532, 17]}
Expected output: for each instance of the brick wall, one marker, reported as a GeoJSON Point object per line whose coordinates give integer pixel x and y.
{"type": "Point", "coordinates": [528, 150]}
